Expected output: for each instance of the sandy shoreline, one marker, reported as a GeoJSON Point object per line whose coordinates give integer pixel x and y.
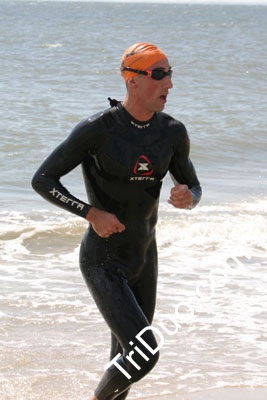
{"type": "Point", "coordinates": [216, 394]}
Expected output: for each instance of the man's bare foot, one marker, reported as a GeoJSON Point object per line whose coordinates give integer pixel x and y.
{"type": "Point", "coordinates": [93, 398]}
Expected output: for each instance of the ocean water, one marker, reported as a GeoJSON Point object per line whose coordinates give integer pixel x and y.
{"type": "Point", "coordinates": [59, 63]}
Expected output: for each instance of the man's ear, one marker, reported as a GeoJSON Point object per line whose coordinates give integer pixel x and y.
{"type": "Point", "coordinates": [132, 82]}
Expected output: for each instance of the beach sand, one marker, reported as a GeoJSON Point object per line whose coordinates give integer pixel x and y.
{"type": "Point", "coordinates": [216, 394]}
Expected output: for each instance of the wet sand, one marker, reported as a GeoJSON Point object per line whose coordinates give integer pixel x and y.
{"type": "Point", "coordinates": [216, 394]}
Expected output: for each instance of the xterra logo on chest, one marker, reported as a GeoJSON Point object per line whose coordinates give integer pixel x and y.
{"type": "Point", "coordinates": [143, 169]}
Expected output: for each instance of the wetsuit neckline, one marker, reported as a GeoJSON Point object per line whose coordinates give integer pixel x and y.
{"type": "Point", "coordinates": [133, 121]}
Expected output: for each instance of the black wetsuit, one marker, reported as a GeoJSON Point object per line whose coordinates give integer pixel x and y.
{"type": "Point", "coordinates": [124, 162]}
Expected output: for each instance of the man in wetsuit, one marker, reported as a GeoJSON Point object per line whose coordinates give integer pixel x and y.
{"type": "Point", "coordinates": [125, 152]}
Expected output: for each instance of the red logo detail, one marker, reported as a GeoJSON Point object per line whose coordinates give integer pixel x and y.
{"type": "Point", "coordinates": [143, 166]}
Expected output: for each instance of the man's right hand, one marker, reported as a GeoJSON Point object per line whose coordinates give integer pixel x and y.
{"type": "Point", "coordinates": [104, 223]}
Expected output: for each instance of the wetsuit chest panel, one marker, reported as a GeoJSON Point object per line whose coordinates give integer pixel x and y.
{"type": "Point", "coordinates": [127, 159]}
{"type": "Point", "coordinates": [124, 171]}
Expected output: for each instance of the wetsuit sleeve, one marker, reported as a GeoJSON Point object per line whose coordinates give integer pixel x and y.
{"type": "Point", "coordinates": [181, 168]}
{"type": "Point", "coordinates": [62, 160]}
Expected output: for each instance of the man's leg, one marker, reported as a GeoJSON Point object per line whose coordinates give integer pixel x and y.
{"type": "Point", "coordinates": [120, 309]}
{"type": "Point", "coordinates": [145, 289]}
{"type": "Point", "coordinates": [115, 349]}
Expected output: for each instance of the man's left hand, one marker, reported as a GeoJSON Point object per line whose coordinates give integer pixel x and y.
{"type": "Point", "coordinates": [181, 196]}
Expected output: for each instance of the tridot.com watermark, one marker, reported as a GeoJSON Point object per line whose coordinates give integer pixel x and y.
{"type": "Point", "coordinates": [218, 277]}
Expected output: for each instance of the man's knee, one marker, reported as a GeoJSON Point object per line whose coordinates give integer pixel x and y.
{"type": "Point", "coordinates": [145, 367]}
{"type": "Point", "coordinates": [152, 362]}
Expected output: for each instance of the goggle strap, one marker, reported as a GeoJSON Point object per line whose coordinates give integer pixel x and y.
{"type": "Point", "coordinates": [138, 71]}
{"type": "Point", "coordinates": [148, 72]}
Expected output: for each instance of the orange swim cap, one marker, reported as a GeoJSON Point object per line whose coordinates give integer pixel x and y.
{"type": "Point", "coordinates": [140, 56]}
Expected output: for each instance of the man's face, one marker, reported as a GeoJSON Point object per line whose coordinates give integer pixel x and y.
{"type": "Point", "coordinates": [153, 93]}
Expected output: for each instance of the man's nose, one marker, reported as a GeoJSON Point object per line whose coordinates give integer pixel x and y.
{"type": "Point", "coordinates": [168, 82]}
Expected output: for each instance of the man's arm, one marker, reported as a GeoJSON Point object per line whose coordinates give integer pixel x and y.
{"type": "Point", "coordinates": [62, 160]}
{"type": "Point", "coordinates": [187, 191]}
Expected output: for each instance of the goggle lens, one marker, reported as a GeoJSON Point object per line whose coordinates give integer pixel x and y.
{"type": "Point", "coordinates": [159, 74]}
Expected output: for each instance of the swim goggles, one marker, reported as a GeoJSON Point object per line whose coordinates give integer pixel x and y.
{"type": "Point", "coordinates": [156, 74]}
